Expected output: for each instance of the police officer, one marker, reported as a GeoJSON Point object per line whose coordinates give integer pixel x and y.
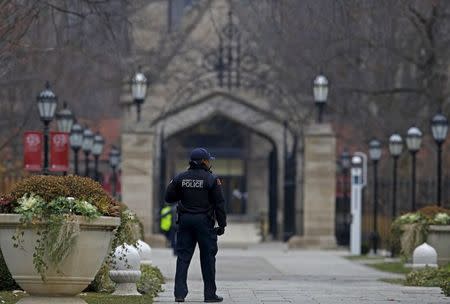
{"type": "Point", "coordinates": [200, 202]}
{"type": "Point", "coordinates": [168, 225]}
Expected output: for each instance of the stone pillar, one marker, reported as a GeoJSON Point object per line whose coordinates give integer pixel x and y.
{"type": "Point", "coordinates": [257, 177]}
{"type": "Point", "coordinates": [319, 189]}
{"type": "Point", "coordinates": [137, 177]}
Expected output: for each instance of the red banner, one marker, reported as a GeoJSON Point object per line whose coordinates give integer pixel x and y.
{"type": "Point", "coordinates": [32, 151]}
{"type": "Point", "coordinates": [59, 151]}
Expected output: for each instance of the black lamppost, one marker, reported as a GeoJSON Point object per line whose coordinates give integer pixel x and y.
{"type": "Point", "coordinates": [46, 102]}
{"type": "Point", "coordinates": [97, 150]}
{"type": "Point", "coordinates": [346, 162]}
{"type": "Point", "coordinates": [139, 85]}
{"type": "Point", "coordinates": [65, 119]}
{"type": "Point", "coordinates": [395, 149]}
{"type": "Point", "coordinates": [88, 142]}
{"type": "Point", "coordinates": [76, 141]}
{"type": "Point", "coordinates": [375, 155]}
{"type": "Point", "coordinates": [320, 90]}
{"type": "Point", "coordinates": [413, 142]}
{"type": "Point", "coordinates": [439, 128]}
{"type": "Point", "coordinates": [114, 159]}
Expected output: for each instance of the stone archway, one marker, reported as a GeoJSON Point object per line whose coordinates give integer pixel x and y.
{"type": "Point", "coordinates": [235, 109]}
{"type": "Point", "coordinates": [141, 149]}
{"type": "Point", "coordinates": [231, 106]}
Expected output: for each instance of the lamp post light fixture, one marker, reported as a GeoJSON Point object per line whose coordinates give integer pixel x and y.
{"type": "Point", "coordinates": [346, 160]}
{"type": "Point", "coordinates": [65, 119]}
{"type": "Point", "coordinates": [76, 141]}
{"type": "Point", "coordinates": [46, 101]}
{"type": "Point", "coordinates": [375, 155]}
{"type": "Point", "coordinates": [413, 142]}
{"type": "Point", "coordinates": [114, 160]}
{"type": "Point", "coordinates": [88, 142]}
{"type": "Point", "coordinates": [320, 90]}
{"type": "Point", "coordinates": [439, 128]}
{"type": "Point", "coordinates": [395, 149]}
{"type": "Point", "coordinates": [97, 150]}
{"type": "Point", "coordinates": [139, 86]}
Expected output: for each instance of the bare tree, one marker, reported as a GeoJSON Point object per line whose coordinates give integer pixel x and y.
{"type": "Point", "coordinates": [387, 60]}
{"type": "Point", "coordinates": [79, 46]}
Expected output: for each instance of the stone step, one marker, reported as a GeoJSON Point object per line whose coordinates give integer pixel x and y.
{"type": "Point", "coordinates": [239, 235]}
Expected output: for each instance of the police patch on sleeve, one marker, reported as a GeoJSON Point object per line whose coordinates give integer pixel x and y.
{"type": "Point", "coordinates": [219, 182]}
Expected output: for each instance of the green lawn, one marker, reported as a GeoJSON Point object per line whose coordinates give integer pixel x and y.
{"type": "Point", "coordinates": [394, 267]}
{"type": "Point", "coordinates": [362, 258]}
{"type": "Point", "coordinates": [393, 281]}
{"type": "Point", "coordinates": [92, 298]}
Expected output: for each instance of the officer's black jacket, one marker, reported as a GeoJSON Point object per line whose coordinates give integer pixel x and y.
{"type": "Point", "coordinates": [198, 191]}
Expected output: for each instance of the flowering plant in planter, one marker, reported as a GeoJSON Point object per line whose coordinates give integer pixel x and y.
{"type": "Point", "coordinates": [49, 188]}
{"type": "Point", "coordinates": [52, 204]}
{"type": "Point", "coordinates": [411, 229]}
{"type": "Point", "coordinates": [57, 222]}
{"type": "Point", "coordinates": [441, 219]}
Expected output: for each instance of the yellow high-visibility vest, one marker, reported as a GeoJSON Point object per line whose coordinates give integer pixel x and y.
{"type": "Point", "coordinates": [166, 218]}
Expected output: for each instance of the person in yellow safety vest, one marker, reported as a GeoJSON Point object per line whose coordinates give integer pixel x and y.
{"type": "Point", "coordinates": [167, 225]}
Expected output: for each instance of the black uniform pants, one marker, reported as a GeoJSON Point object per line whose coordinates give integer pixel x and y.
{"type": "Point", "coordinates": [193, 229]}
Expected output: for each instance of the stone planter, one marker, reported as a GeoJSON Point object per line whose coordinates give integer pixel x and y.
{"type": "Point", "coordinates": [76, 271]}
{"type": "Point", "coordinates": [406, 245]}
{"type": "Point", "coordinates": [439, 239]}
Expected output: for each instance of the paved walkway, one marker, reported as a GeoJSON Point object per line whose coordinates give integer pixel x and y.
{"type": "Point", "coordinates": [268, 273]}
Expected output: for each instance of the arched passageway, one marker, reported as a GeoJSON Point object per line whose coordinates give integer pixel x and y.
{"type": "Point", "coordinates": [245, 161]}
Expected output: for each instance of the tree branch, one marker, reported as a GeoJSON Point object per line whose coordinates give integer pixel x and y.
{"type": "Point", "coordinates": [380, 92]}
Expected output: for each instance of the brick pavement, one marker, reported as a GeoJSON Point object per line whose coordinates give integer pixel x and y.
{"type": "Point", "coordinates": [268, 273]}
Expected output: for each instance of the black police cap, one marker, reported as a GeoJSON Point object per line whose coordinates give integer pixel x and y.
{"type": "Point", "coordinates": [201, 153]}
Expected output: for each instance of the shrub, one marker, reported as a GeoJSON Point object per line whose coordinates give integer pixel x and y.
{"type": "Point", "coordinates": [429, 277]}
{"type": "Point", "coordinates": [6, 281]}
{"type": "Point", "coordinates": [128, 232]}
{"type": "Point", "coordinates": [102, 282]}
{"type": "Point", "coordinates": [445, 286]}
{"type": "Point", "coordinates": [407, 232]}
{"type": "Point", "coordinates": [51, 187]}
{"type": "Point", "coordinates": [394, 240]}
{"type": "Point", "coordinates": [151, 280]}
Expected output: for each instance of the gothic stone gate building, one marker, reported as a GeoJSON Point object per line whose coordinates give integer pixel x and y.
{"type": "Point", "coordinates": [213, 91]}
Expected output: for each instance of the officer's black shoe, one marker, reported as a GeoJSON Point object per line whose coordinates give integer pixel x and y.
{"type": "Point", "coordinates": [214, 299]}
{"type": "Point", "coordinates": [179, 299]}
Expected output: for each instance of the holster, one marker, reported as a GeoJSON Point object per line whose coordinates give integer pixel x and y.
{"type": "Point", "coordinates": [177, 215]}
{"type": "Point", "coordinates": [212, 214]}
